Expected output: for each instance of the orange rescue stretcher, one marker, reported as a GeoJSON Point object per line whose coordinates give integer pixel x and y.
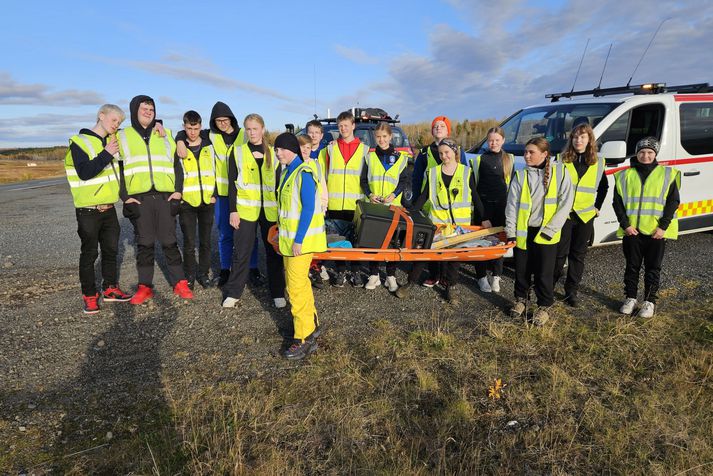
{"type": "Point", "coordinates": [482, 253]}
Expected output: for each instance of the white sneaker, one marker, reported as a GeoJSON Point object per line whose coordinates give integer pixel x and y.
{"type": "Point", "coordinates": [495, 285]}
{"type": "Point", "coordinates": [647, 309]}
{"type": "Point", "coordinates": [230, 302]}
{"type": "Point", "coordinates": [628, 306]}
{"type": "Point", "coordinates": [280, 302]}
{"type": "Point", "coordinates": [484, 285]}
{"type": "Point", "coordinates": [392, 284]}
{"type": "Point", "coordinates": [373, 282]}
{"type": "Point", "coordinates": [324, 274]}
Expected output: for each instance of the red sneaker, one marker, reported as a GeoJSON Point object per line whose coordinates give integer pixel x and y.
{"type": "Point", "coordinates": [91, 304]}
{"type": "Point", "coordinates": [182, 290]}
{"type": "Point", "coordinates": [143, 294]}
{"type": "Point", "coordinates": [429, 283]}
{"type": "Point", "coordinates": [114, 294]}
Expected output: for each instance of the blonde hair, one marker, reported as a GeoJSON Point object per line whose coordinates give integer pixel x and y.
{"type": "Point", "coordinates": [265, 146]}
{"type": "Point", "coordinates": [508, 162]}
{"type": "Point", "coordinates": [304, 139]}
{"type": "Point", "coordinates": [109, 108]}
{"type": "Point", "coordinates": [384, 126]}
{"type": "Point", "coordinates": [590, 153]}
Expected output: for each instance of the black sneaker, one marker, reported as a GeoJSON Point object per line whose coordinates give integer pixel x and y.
{"type": "Point", "coordinates": [572, 300]}
{"type": "Point", "coordinates": [191, 283]}
{"type": "Point", "coordinates": [223, 278]}
{"type": "Point", "coordinates": [256, 278]}
{"type": "Point", "coordinates": [357, 279]}
{"type": "Point", "coordinates": [300, 350]}
{"type": "Point", "coordinates": [204, 281]}
{"type": "Point", "coordinates": [315, 279]}
{"type": "Point", "coordinates": [340, 279]}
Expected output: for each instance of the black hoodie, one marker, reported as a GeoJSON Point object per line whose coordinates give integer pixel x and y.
{"type": "Point", "coordinates": [145, 133]}
{"type": "Point", "coordinates": [220, 109]}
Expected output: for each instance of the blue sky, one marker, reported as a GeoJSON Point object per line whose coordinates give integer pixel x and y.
{"type": "Point", "coordinates": [418, 59]}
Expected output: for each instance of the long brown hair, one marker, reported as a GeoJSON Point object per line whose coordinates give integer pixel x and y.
{"type": "Point", "coordinates": [508, 163]}
{"type": "Point", "coordinates": [265, 146]}
{"type": "Point", "coordinates": [544, 146]}
{"type": "Point", "coordinates": [590, 152]}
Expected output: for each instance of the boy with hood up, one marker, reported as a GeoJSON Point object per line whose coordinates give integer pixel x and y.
{"type": "Point", "coordinates": [149, 182]}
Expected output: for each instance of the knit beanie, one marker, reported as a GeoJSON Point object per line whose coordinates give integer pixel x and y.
{"type": "Point", "coordinates": [648, 143]}
{"type": "Point", "coordinates": [450, 143]}
{"type": "Point", "coordinates": [444, 119]}
{"type": "Point", "coordinates": [289, 142]}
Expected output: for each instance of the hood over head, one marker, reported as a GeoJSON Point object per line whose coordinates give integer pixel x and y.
{"type": "Point", "coordinates": [134, 113]}
{"type": "Point", "coordinates": [220, 109]}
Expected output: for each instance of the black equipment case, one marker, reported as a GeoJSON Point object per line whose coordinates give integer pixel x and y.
{"type": "Point", "coordinates": [373, 221]}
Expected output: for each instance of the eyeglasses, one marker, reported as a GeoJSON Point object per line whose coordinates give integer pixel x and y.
{"type": "Point", "coordinates": [222, 121]}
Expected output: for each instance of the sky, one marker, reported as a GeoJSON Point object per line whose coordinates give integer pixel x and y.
{"type": "Point", "coordinates": [289, 60]}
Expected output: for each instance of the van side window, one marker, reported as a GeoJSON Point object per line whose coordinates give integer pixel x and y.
{"type": "Point", "coordinates": [634, 125]}
{"type": "Point", "coordinates": [617, 131]}
{"type": "Point", "coordinates": [697, 128]}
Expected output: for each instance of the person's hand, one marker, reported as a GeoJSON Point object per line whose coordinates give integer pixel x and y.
{"type": "Point", "coordinates": [389, 198]}
{"type": "Point", "coordinates": [181, 149]}
{"type": "Point", "coordinates": [658, 234]}
{"type": "Point", "coordinates": [486, 224]}
{"type": "Point", "coordinates": [132, 200]}
{"type": "Point", "coordinates": [596, 210]}
{"type": "Point", "coordinates": [174, 196]}
{"type": "Point", "coordinates": [630, 231]}
{"type": "Point", "coordinates": [212, 200]}
{"type": "Point", "coordinates": [112, 146]}
{"type": "Point", "coordinates": [373, 198]}
{"type": "Point", "coordinates": [158, 127]}
{"type": "Point", "coordinates": [296, 249]}
{"type": "Point", "coordinates": [234, 220]}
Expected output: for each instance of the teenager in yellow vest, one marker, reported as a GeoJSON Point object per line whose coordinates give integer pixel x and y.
{"type": "Point", "coordinates": [646, 198]}
{"type": "Point", "coordinates": [93, 177]}
{"type": "Point", "coordinates": [590, 184]}
{"type": "Point", "coordinates": [301, 234]}
{"type": "Point", "coordinates": [539, 201]}
{"type": "Point", "coordinates": [253, 176]}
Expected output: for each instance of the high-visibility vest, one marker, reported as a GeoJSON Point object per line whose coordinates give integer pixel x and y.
{"type": "Point", "coordinates": [255, 186]}
{"type": "Point", "coordinates": [383, 182]}
{"type": "Point", "coordinates": [475, 165]}
{"type": "Point", "coordinates": [450, 204]}
{"type": "Point", "coordinates": [343, 179]}
{"type": "Point", "coordinates": [316, 167]}
{"type": "Point", "coordinates": [289, 209]}
{"type": "Point", "coordinates": [147, 166]}
{"type": "Point", "coordinates": [322, 159]}
{"type": "Point", "coordinates": [198, 176]}
{"type": "Point", "coordinates": [644, 205]}
{"type": "Point", "coordinates": [222, 153]}
{"type": "Point", "coordinates": [550, 206]}
{"type": "Point", "coordinates": [102, 189]}
{"type": "Point", "coordinates": [586, 189]}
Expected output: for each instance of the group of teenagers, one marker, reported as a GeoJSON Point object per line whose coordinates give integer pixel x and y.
{"type": "Point", "coordinates": [309, 186]}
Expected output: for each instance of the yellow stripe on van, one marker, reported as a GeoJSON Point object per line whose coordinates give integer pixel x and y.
{"type": "Point", "coordinates": [695, 208]}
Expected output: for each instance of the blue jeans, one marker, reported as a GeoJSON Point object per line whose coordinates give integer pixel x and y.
{"type": "Point", "coordinates": [225, 235]}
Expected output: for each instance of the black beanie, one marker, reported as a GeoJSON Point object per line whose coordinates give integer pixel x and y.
{"type": "Point", "coordinates": [289, 142]}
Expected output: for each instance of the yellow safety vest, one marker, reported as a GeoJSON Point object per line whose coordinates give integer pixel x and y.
{"type": "Point", "coordinates": [147, 166]}
{"type": "Point", "coordinates": [222, 152]}
{"type": "Point", "coordinates": [450, 204]}
{"type": "Point", "coordinates": [586, 189]}
{"type": "Point", "coordinates": [254, 194]}
{"type": "Point", "coordinates": [198, 177]}
{"type": "Point", "coordinates": [100, 190]}
{"type": "Point", "coordinates": [343, 179]}
{"type": "Point", "coordinates": [322, 159]}
{"type": "Point", "coordinates": [289, 209]}
{"type": "Point", "coordinates": [475, 165]}
{"type": "Point", "coordinates": [383, 182]}
{"type": "Point", "coordinates": [550, 207]}
{"type": "Point", "coordinates": [644, 205]}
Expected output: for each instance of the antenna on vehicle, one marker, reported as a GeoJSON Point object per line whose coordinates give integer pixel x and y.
{"type": "Point", "coordinates": [580, 65]}
{"type": "Point", "coordinates": [647, 49]}
{"type": "Point", "coordinates": [315, 87]}
{"type": "Point", "coordinates": [605, 67]}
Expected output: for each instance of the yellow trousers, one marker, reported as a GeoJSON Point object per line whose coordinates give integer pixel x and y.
{"type": "Point", "coordinates": [299, 289]}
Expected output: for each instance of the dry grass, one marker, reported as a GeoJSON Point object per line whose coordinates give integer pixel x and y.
{"type": "Point", "coordinates": [466, 133]}
{"type": "Point", "coordinates": [18, 171]}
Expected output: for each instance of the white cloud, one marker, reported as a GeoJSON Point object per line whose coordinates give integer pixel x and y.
{"type": "Point", "coordinates": [355, 55]}
{"type": "Point", "coordinates": [14, 92]}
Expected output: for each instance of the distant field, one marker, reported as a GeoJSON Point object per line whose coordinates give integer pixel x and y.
{"type": "Point", "coordinates": [18, 171]}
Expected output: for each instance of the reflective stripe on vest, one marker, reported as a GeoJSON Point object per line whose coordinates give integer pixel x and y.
{"type": "Point", "coordinates": [383, 182]}
{"type": "Point", "coordinates": [290, 208]}
{"type": "Point", "coordinates": [222, 152]}
{"type": "Point", "coordinates": [451, 204]}
{"type": "Point", "coordinates": [475, 165]}
{"type": "Point", "coordinates": [198, 177]}
{"type": "Point", "coordinates": [550, 207]}
{"type": "Point", "coordinates": [147, 166]}
{"type": "Point", "coordinates": [343, 179]}
{"type": "Point", "coordinates": [586, 189]}
{"type": "Point", "coordinates": [255, 187]}
{"type": "Point", "coordinates": [102, 189]}
{"type": "Point", "coordinates": [645, 205]}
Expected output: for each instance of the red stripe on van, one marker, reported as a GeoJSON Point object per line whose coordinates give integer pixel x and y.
{"type": "Point", "coordinates": [694, 160]}
{"type": "Point", "coordinates": [692, 97]}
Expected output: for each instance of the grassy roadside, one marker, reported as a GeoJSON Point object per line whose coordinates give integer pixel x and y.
{"type": "Point", "coordinates": [17, 171]}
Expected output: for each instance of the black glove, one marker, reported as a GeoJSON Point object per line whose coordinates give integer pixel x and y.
{"type": "Point", "coordinates": [546, 236]}
{"type": "Point", "coordinates": [511, 239]}
{"type": "Point", "coordinates": [131, 211]}
{"type": "Point", "coordinates": [175, 207]}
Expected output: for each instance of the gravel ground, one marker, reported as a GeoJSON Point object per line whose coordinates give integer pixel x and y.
{"type": "Point", "coordinates": [74, 376]}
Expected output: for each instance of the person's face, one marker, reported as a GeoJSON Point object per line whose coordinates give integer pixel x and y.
{"type": "Point", "coordinates": [440, 130]}
{"type": "Point", "coordinates": [646, 156]}
{"type": "Point", "coordinates": [534, 156]}
{"type": "Point", "coordinates": [284, 156]}
{"type": "Point", "coordinates": [146, 114]}
{"type": "Point", "coordinates": [224, 124]}
{"type": "Point", "coordinates": [316, 134]}
{"type": "Point", "coordinates": [495, 142]}
{"type": "Point", "coordinates": [383, 139]}
{"type": "Point", "coordinates": [579, 142]}
{"type": "Point", "coordinates": [346, 129]}
{"type": "Point", "coordinates": [193, 131]}
{"type": "Point", "coordinates": [306, 149]}
{"type": "Point", "coordinates": [254, 130]}
{"type": "Point", "coordinates": [110, 122]}
{"type": "Point", "coordinates": [447, 155]}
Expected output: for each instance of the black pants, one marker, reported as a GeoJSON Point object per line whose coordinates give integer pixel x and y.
{"type": "Point", "coordinates": [446, 272]}
{"type": "Point", "coordinates": [96, 229]}
{"type": "Point", "coordinates": [243, 242]}
{"type": "Point", "coordinates": [640, 249]}
{"type": "Point", "coordinates": [538, 261]}
{"type": "Point", "coordinates": [495, 209]}
{"type": "Point", "coordinates": [390, 268]}
{"type": "Point", "coordinates": [190, 218]}
{"type": "Point", "coordinates": [572, 248]}
{"type": "Point", "coordinates": [157, 222]}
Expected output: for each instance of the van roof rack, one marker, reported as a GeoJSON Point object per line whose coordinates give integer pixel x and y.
{"type": "Point", "coordinates": [647, 88]}
{"type": "Point", "coordinates": [367, 114]}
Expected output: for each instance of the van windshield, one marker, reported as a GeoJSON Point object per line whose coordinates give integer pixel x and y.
{"type": "Point", "coordinates": [554, 122]}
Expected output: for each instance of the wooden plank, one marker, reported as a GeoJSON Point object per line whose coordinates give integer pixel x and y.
{"type": "Point", "coordinates": [458, 239]}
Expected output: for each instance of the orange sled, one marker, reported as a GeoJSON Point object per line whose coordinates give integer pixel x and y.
{"type": "Point", "coordinates": [385, 253]}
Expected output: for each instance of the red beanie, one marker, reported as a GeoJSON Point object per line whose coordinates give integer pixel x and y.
{"type": "Point", "coordinates": [444, 119]}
